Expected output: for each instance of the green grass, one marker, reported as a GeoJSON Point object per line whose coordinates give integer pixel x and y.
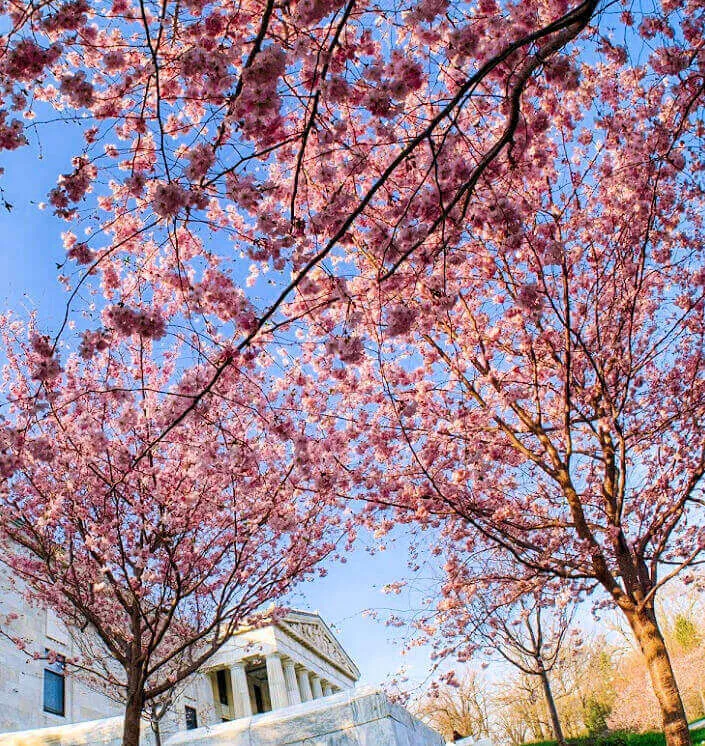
{"type": "Point", "coordinates": [624, 739]}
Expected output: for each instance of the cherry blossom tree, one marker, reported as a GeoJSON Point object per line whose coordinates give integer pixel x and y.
{"type": "Point", "coordinates": [532, 381]}
{"type": "Point", "coordinates": [160, 555]}
{"type": "Point", "coordinates": [489, 609]}
{"type": "Point", "coordinates": [231, 148]}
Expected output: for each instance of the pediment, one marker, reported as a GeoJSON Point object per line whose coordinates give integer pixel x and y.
{"type": "Point", "coordinates": [311, 631]}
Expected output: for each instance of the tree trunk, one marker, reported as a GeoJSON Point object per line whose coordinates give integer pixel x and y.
{"type": "Point", "coordinates": [650, 639]}
{"type": "Point", "coordinates": [156, 713]}
{"type": "Point", "coordinates": [133, 711]}
{"type": "Point", "coordinates": [552, 711]}
{"type": "Point", "coordinates": [157, 732]}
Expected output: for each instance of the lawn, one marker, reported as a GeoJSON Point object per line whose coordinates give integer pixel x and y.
{"type": "Point", "coordinates": [624, 739]}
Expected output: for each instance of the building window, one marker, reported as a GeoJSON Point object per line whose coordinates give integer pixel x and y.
{"type": "Point", "coordinates": [55, 687]}
{"type": "Point", "coordinates": [222, 686]}
{"type": "Point", "coordinates": [191, 718]}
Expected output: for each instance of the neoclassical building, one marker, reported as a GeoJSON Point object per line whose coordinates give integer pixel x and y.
{"type": "Point", "coordinates": [294, 660]}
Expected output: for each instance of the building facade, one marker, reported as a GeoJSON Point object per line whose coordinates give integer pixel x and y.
{"type": "Point", "coordinates": [296, 660]}
{"type": "Point", "coordinates": [258, 670]}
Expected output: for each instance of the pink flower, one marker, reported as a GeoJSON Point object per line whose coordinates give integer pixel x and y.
{"type": "Point", "coordinates": [74, 186]}
{"type": "Point", "coordinates": [81, 253]}
{"type": "Point", "coordinates": [11, 135]}
{"type": "Point", "coordinates": [41, 449]}
{"type": "Point", "coordinates": [69, 17]}
{"type": "Point", "coordinates": [310, 12]}
{"type": "Point", "coordinates": [92, 342]}
{"type": "Point", "coordinates": [201, 158]}
{"type": "Point", "coordinates": [26, 60]}
{"type": "Point", "coordinates": [41, 344]}
{"type": "Point", "coordinates": [428, 10]}
{"type": "Point", "coordinates": [529, 297]}
{"type": "Point", "coordinates": [169, 200]}
{"type": "Point", "coordinates": [561, 71]}
{"type": "Point", "coordinates": [347, 349]}
{"type": "Point", "coordinates": [78, 89]}
{"type": "Point", "coordinates": [399, 320]}
{"type": "Point", "coordinates": [259, 104]}
{"type": "Point", "coordinates": [126, 322]}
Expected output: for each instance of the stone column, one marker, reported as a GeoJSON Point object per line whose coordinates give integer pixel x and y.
{"type": "Point", "coordinates": [277, 684]}
{"type": "Point", "coordinates": [305, 685]}
{"type": "Point", "coordinates": [327, 689]}
{"type": "Point", "coordinates": [316, 686]}
{"type": "Point", "coordinates": [292, 685]}
{"type": "Point", "coordinates": [241, 694]}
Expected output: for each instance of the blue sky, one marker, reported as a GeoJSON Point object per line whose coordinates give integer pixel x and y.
{"type": "Point", "coordinates": [345, 593]}
{"type": "Point", "coordinates": [30, 248]}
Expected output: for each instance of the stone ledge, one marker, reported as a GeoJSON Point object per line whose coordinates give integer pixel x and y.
{"type": "Point", "coordinates": [100, 732]}
{"type": "Point", "coordinates": [355, 717]}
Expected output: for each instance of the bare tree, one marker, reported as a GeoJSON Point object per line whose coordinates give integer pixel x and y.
{"type": "Point", "coordinates": [529, 634]}
{"type": "Point", "coordinates": [457, 711]}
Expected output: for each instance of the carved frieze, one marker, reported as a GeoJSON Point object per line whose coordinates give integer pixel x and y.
{"type": "Point", "coordinates": [315, 636]}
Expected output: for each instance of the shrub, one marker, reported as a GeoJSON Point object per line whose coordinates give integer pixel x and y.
{"type": "Point", "coordinates": [595, 716]}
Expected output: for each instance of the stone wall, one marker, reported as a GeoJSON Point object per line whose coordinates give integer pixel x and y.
{"type": "Point", "coordinates": [356, 717]}
{"type": "Point", "coordinates": [22, 676]}
{"type": "Point", "coordinates": [99, 732]}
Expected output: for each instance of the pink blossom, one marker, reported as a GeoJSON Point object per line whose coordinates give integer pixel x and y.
{"type": "Point", "coordinates": [81, 253]}
{"type": "Point", "coordinates": [169, 199]}
{"type": "Point", "coordinates": [428, 10]}
{"type": "Point", "coordinates": [26, 60]}
{"type": "Point", "coordinates": [399, 320]}
{"type": "Point", "coordinates": [201, 158]}
{"type": "Point", "coordinates": [560, 70]}
{"type": "Point", "coordinates": [349, 350]}
{"type": "Point", "coordinates": [310, 12]}
{"type": "Point", "coordinates": [92, 342]}
{"type": "Point", "coordinates": [11, 134]}
{"type": "Point", "coordinates": [125, 321]}
{"type": "Point", "coordinates": [78, 89]}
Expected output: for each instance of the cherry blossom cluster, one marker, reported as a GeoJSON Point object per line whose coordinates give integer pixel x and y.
{"type": "Point", "coordinates": [73, 187]}
{"type": "Point", "coordinates": [258, 107]}
{"type": "Point", "coordinates": [45, 363]}
{"type": "Point", "coordinates": [11, 133]}
{"type": "Point", "coordinates": [126, 321]}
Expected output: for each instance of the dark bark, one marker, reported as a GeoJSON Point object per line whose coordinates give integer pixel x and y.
{"type": "Point", "coordinates": [133, 709]}
{"type": "Point", "coordinates": [650, 639]}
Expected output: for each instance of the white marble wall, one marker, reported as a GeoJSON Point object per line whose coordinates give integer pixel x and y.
{"type": "Point", "coordinates": [22, 677]}
{"type": "Point", "coordinates": [356, 717]}
{"type": "Point", "coordinates": [96, 732]}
